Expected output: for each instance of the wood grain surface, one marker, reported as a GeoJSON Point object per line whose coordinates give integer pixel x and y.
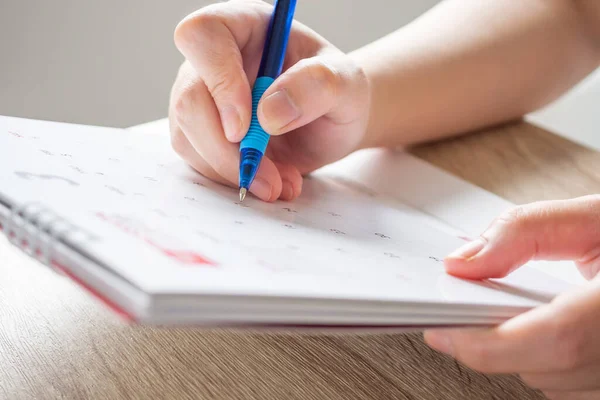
{"type": "Point", "coordinates": [57, 342]}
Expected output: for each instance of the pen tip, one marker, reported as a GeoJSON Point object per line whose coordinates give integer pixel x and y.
{"type": "Point", "coordinates": [243, 192]}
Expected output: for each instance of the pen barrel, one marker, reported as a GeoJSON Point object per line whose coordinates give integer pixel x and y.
{"type": "Point", "coordinates": [257, 138]}
{"type": "Point", "coordinates": [276, 40]}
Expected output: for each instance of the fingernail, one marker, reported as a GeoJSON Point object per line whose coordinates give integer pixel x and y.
{"type": "Point", "coordinates": [287, 190]}
{"type": "Point", "coordinates": [468, 250]}
{"type": "Point", "coordinates": [279, 110]}
{"type": "Point", "coordinates": [440, 341]}
{"type": "Point", "coordinates": [232, 124]}
{"type": "Point", "coordinates": [261, 188]}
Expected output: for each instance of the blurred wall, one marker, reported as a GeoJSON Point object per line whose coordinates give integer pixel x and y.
{"type": "Point", "coordinates": [112, 62]}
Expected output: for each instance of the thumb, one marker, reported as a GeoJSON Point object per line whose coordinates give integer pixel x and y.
{"type": "Point", "coordinates": [330, 85]}
{"type": "Point", "coordinates": [549, 230]}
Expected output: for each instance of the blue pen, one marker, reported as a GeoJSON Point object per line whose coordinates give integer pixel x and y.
{"type": "Point", "coordinates": [254, 144]}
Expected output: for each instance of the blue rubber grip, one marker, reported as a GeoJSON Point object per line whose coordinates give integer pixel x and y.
{"type": "Point", "coordinates": [257, 138]}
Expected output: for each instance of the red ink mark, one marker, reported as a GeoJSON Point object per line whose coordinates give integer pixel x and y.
{"type": "Point", "coordinates": [466, 239]}
{"type": "Point", "coordinates": [183, 256]}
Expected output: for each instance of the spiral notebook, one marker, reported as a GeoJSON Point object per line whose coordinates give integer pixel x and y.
{"type": "Point", "coordinates": [121, 215]}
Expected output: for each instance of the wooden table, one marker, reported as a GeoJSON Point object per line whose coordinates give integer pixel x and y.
{"type": "Point", "coordinates": [56, 342]}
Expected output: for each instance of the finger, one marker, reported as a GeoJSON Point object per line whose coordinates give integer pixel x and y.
{"type": "Point", "coordinates": [566, 395]}
{"type": "Point", "coordinates": [589, 265]}
{"type": "Point", "coordinates": [550, 230]}
{"type": "Point", "coordinates": [291, 181]}
{"type": "Point", "coordinates": [211, 39]}
{"type": "Point", "coordinates": [560, 336]}
{"type": "Point", "coordinates": [186, 151]}
{"type": "Point", "coordinates": [198, 119]}
{"type": "Point", "coordinates": [585, 378]}
{"type": "Point", "coordinates": [326, 85]}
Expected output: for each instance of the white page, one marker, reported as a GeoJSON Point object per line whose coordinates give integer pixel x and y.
{"type": "Point", "coordinates": [127, 188]}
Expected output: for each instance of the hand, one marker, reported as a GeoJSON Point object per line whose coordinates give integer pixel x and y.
{"type": "Point", "coordinates": [555, 347]}
{"type": "Point", "coordinates": [317, 110]}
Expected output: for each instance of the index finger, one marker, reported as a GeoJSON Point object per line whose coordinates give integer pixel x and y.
{"type": "Point", "coordinates": [211, 39]}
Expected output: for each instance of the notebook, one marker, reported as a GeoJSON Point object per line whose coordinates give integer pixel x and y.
{"type": "Point", "coordinates": [117, 212]}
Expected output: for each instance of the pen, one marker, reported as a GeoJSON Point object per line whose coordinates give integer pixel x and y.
{"type": "Point", "coordinates": [254, 144]}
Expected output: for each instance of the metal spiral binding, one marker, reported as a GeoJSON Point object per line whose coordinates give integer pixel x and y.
{"type": "Point", "coordinates": [48, 231]}
{"type": "Point", "coordinates": [54, 234]}
{"type": "Point", "coordinates": [12, 232]}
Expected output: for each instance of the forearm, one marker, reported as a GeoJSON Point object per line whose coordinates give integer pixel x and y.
{"type": "Point", "coordinates": [467, 64]}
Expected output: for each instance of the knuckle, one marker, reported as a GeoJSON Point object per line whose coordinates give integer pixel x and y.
{"type": "Point", "coordinates": [220, 83]}
{"type": "Point", "coordinates": [178, 141]}
{"type": "Point", "coordinates": [362, 79]}
{"type": "Point", "coordinates": [183, 103]}
{"type": "Point", "coordinates": [514, 218]}
{"type": "Point", "coordinates": [327, 76]}
{"type": "Point", "coordinates": [197, 24]}
{"type": "Point", "coordinates": [186, 101]}
{"type": "Point", "coordinates": [519, 219]}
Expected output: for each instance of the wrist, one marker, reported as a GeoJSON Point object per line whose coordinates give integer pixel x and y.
{"type": "Point", "coordinates": [382, 122]}
{"type": "Point", "coordinates": [367, 139]}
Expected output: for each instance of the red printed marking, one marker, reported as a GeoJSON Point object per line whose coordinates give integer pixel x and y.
{"type": "Point", "coordinates": [182, 256]}
{"type": "Point", "coordinates": [466, 239]}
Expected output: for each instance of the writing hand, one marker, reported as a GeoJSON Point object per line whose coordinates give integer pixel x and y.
{"type": "Point", "coordinates": [317, 110]}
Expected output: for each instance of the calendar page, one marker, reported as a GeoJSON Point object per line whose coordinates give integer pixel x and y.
{"type": "Point", "coordinates": [153, 221]}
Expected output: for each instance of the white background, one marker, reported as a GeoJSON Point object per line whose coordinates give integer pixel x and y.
{"type": "Point", "coordinates": [112, 62]}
